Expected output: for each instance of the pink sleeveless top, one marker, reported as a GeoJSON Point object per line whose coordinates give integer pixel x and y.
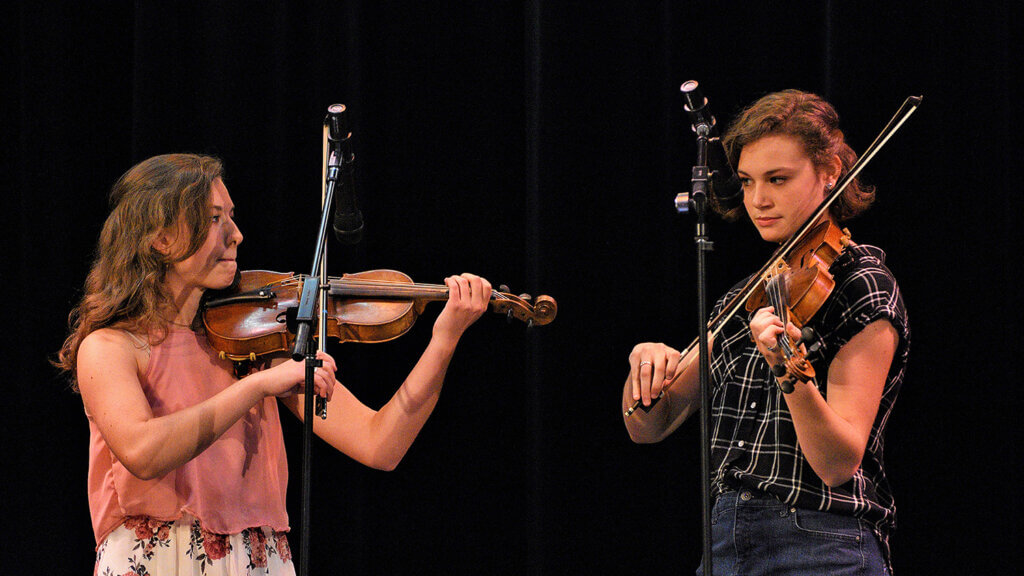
{"type": "Point", "coordinates": [237, 483]}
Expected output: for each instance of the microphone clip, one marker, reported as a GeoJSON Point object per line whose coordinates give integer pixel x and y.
{"type": "Point", "coordinates": [713, 174]}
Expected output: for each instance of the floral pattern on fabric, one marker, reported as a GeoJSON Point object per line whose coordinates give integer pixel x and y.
{"type": "Point", "coordinates": [256, 547]}
{"type": "Point", "coordinates": [141, 544]}
{"type": "Point", "coordinates": [205, 547]}
{"type": "Point", "coordinates": [283, 549]}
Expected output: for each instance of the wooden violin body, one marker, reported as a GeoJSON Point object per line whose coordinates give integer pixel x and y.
{"type": "Point", "coordinates": [254, 318]}
{"type": "Point", "coordinates": [805, 275]}
{"type": "Point", "coordinates": [797, 287]}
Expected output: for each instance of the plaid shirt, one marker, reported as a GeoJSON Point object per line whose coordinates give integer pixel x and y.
{"type": "Point", "coordinates": [754, 443]}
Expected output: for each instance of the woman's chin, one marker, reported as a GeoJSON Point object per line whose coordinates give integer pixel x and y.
{"type": "Point", "coordinates": [223, 280]}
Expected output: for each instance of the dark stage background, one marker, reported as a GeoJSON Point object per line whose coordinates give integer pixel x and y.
{"type": "Point", "coordinates": [540, 144]}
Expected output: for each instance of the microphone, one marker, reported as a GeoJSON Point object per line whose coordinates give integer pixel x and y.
{"type": "Point", "coordinates": [725, 185]}
{"type": "Point", "coordinates": [348, 220]}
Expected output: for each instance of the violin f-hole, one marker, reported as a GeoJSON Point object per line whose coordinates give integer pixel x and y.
{"type": "Point", "coordinates": [291, 316]}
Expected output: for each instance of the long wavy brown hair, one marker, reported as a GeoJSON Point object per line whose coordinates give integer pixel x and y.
{"type": "Point", "coordinates": [812, 121]}
{"type": "Point", "coordinates": [124, 286]}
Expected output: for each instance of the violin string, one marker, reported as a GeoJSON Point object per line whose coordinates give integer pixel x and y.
{"type": "Point", "coordinates": [775, 295]}
{"type": "Point", "coordinates": [783, 313]}
{"type": "Point", "coordinates": [408, 287]}
{"type": "Point", "coordinates": [390, 285]}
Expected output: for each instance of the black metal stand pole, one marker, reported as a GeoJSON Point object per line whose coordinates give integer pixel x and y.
{"type": "Point", "coordinates": [304, 349]}
{"type": "Point", "coordinates": [697, 200]}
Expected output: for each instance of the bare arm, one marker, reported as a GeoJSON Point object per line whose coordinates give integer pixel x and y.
{"type": "Point", "coordinates": [833, 434]}
{"type": "Point", "coordinates": [381, 438]}
{"type": "Point", "coordinates": [654, 367]}
{"type": "Point", "coordinates": [148, 446]}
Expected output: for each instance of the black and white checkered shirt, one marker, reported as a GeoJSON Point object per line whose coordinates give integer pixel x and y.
{"type": "Point", "coordinates": [754, 443]}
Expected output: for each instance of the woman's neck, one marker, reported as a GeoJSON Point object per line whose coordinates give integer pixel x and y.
{"type": "Point", "coordinates": [183, 303]}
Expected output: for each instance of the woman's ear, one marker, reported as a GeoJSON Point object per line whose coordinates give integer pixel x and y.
{"type": "Point", "coordinates": [835, 168]}
{"type": "Point", "coordinates": [164, 241]}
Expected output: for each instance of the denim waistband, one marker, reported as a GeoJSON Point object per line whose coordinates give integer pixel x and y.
{"type": "Point", "coordinates": [746, 496]}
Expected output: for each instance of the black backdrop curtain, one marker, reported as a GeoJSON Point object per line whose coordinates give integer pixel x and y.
{"type": "Point", "coordinates": [540, 144]}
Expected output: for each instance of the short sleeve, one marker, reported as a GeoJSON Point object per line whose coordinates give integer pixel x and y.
{"type": "Point", "coordinates": [865, 291]}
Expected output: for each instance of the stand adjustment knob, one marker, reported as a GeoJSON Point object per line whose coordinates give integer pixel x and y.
{"type": "Point", "coordinates": [683, 204]}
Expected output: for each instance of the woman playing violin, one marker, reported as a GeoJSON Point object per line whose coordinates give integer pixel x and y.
{"type": "Point", "coordinates": [187, 470]}
{"type": "Point", "coordinates": [798, 478]}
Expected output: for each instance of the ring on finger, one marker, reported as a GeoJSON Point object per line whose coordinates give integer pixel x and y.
{"type": "Point", "coordinates": [646, 363]}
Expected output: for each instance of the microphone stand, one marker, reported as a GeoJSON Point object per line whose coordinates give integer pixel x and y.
{"type": "Point", "coordinates": [697, 200]}
{"type": "Point", "coordinates": [311, 292]}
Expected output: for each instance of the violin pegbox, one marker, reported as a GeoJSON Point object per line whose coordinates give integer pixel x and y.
{"type": "Point", "coordinates": [539, 313]}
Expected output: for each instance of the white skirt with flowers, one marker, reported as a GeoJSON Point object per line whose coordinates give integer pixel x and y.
{"type": "Point", "coordinates": [141, 546]}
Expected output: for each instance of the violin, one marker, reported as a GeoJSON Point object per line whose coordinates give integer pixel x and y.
{"type": "Point", "coordinates": [797, 288]}
{"type": "Point", "coordinates": [255, 317]}
{"type": "Point", "coordinates": [801, 266]}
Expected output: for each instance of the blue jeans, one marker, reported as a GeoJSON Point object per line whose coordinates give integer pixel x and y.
{"type": "Point", "coordinates": [756, 534]}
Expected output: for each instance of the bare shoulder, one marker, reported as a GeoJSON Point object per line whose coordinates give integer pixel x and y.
{"type": "Point", "coordinates": [110, 351]}
{"type": "Point", "coordinates": [113, 340]}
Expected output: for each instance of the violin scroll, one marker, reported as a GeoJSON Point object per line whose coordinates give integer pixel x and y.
{"type": "Point", "coordinates": [795, 368]}
{"type": "Point", "coordinates": [541, 312]}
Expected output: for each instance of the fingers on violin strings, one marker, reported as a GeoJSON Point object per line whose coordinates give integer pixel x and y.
{"type": "Point", "coordinates": [770, 337]}
{"type": "Point", "coordinates": [762, 314]}
{"type": "Point", "coordinates": [453, 288]}
{"type": "Point", "coordinates": [458, 288]}
{"type": "Point", "coordinates": [767, 315]}
{"type": "Point", "coordinates": [465, 287]}
{"type": "Point", "coordinates": [481, 289]}
{"type": "Point", "coordinates": [474, 286]}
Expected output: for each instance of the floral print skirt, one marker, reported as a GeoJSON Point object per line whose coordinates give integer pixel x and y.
{"type": "Point", "coordinates": [141, 546]}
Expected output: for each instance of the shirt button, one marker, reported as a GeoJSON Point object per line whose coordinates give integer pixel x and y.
{"type": "Point", "coordinates": [740, 443]}
{"type": "Point", "coordinates": [753, 405]}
